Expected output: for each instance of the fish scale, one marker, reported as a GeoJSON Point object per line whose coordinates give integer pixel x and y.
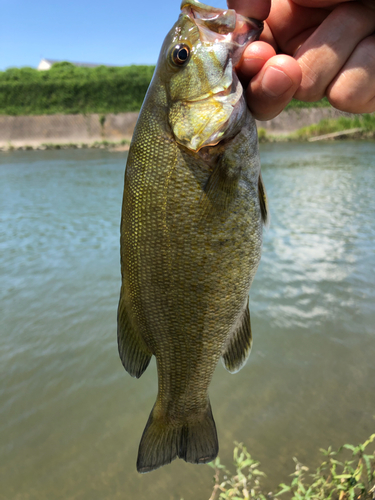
{"type": "Point", "coordinates": [191, 233]}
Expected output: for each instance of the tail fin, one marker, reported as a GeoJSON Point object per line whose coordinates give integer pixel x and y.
{"type": "Point", "coordinates": [195, 441]}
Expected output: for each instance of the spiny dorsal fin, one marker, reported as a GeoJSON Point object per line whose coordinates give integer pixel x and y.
{"type": "Point", "coordinates": [263, 201]}
{"type": "Point", "coordinates": [132, 350]}
{"type": "Point", "coordinates": [238, 347]}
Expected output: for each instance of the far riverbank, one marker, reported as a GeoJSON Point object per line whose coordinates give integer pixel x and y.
{"type": "Point", "coordinates": [114, 131]}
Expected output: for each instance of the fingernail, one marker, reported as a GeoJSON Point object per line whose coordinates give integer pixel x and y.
{"type": "Point", "coordinates": [275, 82]}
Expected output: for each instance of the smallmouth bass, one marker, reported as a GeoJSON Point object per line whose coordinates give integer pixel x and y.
{"type": "Point", "coordinates": [191, 230]}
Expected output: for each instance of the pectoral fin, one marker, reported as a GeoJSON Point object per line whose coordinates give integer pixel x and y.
{"type": "Point", "coordinates": [132, 350]}
{"type": "Point", "coordinates": [221, 187]}
{"type": "Point", "coordinates": [238, 347]}
{"type": "Point", "coordinates": [263, 201]}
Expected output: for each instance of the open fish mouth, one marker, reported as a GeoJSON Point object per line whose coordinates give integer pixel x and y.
{"type": "Point", "coordinates": [218, 25]}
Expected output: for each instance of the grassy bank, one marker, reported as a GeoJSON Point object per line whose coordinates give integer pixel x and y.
{"type": "Point", "coordinates": [294, 104]}
{"type": "Point", "coordinates": [357, 127]}
{"type": "Point", "coordinates": [69, 89]}
{"type": "Point", "coordinates": [365, 122]}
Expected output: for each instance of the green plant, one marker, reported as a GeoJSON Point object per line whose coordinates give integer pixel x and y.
{"type": "Point", "coordinates": [295, 104]}
{"type": "Point", "coordinates": [339, 477]}
{"type": "Point", "coordinates": [244, 483]}
{"type": "Point", "coordinates": [66, 88]}
{"type": "Point", "coordinates": [336, 479]}
{"type": "Point", "coordinates": [262, 134]}
{"type": "Point", "coordinates": [366, 122]}
{"type": "Point", "coordinates": [102, 119]}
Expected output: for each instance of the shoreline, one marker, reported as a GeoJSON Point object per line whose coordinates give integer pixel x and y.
{"type": "Point", "coordinates": [123, 146]}
{"type": "Point", "coordinates": [113, 132]}
{"type": "Point", "coordinates": [119, 146]}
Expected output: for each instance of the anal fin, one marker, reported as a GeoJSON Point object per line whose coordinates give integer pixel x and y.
{"type": "Point", "coordinates": [238, 347]}
{"type": "Point", "coordinates": [132, 350]}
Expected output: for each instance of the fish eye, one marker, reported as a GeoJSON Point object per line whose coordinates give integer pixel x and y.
{"type": "Point", "coordinates": [180, 54]}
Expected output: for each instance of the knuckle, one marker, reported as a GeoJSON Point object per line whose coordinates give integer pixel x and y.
{"type": "Point", "coordinates": [310, 89]}
{"type": "Point", "coordinates": [367, 46]}
{"type": "Point", "coordinates": [351, 100]}
{"type": "Point", "coordinates": [353, 88]}
{"type": "Point", "coordinates": [308, 95]}
{"type": "Point", "coordinates": [355, 17]}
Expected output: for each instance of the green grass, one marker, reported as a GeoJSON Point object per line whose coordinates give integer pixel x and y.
{"type": "Point", "coordinates": [68, 89]}
{"type": "Point", "coordinates": [346, 474]}
{"type": "Point", "coordinates": [327, 126]}
{"type": "Point", "coordinates": [365, 122]}
{"type": "Point", "coordinates": [295, 104]}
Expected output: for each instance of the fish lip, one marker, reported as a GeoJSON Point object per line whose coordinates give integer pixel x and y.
{"type": "Point", "coordinates": [224, 92]}
{"type": "Point", "coordinates": [258, 24]}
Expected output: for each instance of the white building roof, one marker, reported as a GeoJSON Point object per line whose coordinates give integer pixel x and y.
{"type": "Point", "coordinates": [46, 64]}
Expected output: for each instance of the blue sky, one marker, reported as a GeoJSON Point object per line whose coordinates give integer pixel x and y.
{"type": "Point", "coordinates": [112, 31]}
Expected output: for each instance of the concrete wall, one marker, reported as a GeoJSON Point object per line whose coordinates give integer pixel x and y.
{"type": "Point", "coordinates": [293, 119]}
{"type": "Point", "coordinates": [60, 129]}
{"type": "Point", "coordinates": [32, 130]}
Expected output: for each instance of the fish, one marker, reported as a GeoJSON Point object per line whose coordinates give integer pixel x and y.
{"type": "Point", "coordinates": [193, 212]}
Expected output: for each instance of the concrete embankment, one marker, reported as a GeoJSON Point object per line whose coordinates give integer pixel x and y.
{"type": "Point", "coordinates": [293, 119]}
{"type": "Point", "coordinates": [20, 131]}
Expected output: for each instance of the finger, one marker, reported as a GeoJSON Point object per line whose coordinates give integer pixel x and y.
{"type": "Point", "coordinates": [257, 9]}
{"type": "Point", "coordinates": [292, 24]}
{"type": "Point", "coordinates": [321, 3]}
{"type": "Point", "coordinates": [253, 60]}
{"type": "Point", "coordinates": [368, 3]}
{"type": "Point", "coordinates": [273, 87]}
{"type": "Point", "coordinates": [322, 56]}
{"type": "Point", "coordinates": [353, 90]}
{"type": "Point", "coordinates": [267, 36]}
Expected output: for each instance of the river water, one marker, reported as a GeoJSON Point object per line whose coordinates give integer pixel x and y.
{"type": "Point", "coordinates": [70, 416]}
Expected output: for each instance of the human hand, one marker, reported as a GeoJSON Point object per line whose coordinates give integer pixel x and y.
{"type": "Point", "coordinates": [333, 47]}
